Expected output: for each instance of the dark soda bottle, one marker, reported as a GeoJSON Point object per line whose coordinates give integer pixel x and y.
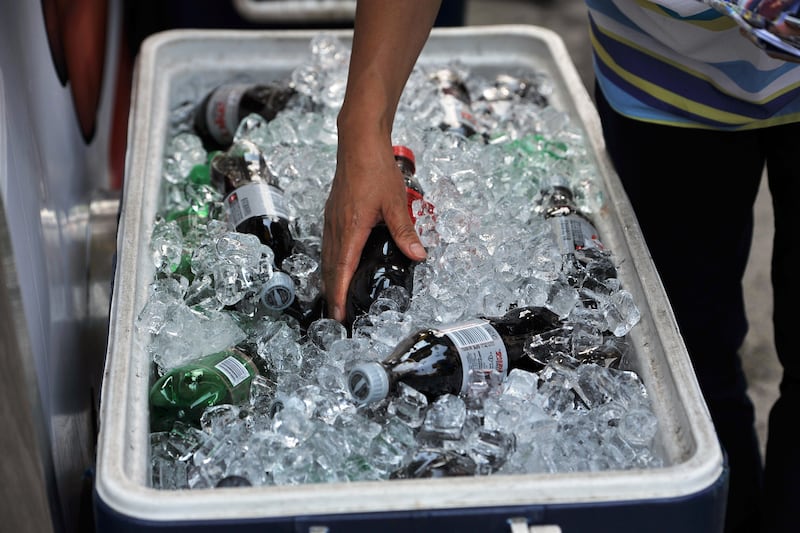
{"type": "Point", "coordinates": [255, 203]}
{"type": "Point", "coordinates": [220, 112]}
{"type": "Point", "coordinates": [438, 361]}
{"type": "Point", "coordinates": [382, 264]}
{"type": "Point", "coordinates": [184, 392]}
{"type": "Point", "coordinates": [457, 115]}
{"type": "Point", "coordinates": [575, 233]}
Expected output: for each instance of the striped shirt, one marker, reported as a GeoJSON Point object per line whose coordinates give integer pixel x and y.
{"type": "Point", "coordinates": [682, 63]}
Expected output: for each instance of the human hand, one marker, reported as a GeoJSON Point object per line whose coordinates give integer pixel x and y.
{"type": "Point", "coordinates": [367, 189]}
{"type": "Point", "coordinates": [771, 25]}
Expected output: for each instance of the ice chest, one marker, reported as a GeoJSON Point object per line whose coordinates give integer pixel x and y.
{"type": "Point", "coordinates": [687, 494]}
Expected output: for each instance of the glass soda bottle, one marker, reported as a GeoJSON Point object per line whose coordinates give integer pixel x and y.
{"type": "Point", "coordinates": [438, 361]}
{"type": "Point", "coordinates": [576, 235]}
{"type": "Point", "coordinates": [198, 201]}
{"type": "Point", "coordinates": [218, 115]}
{"type": "Point", "coordinates": [184, 392]}
{"type": "Point", "coordinates": [457, 115]}
{"type": "Point", "coordinates": [382, 264]}
{"type": "Point", "coordinates": [256, 204]}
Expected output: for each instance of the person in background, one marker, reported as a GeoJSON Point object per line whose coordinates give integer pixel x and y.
{"type": "Point", "coordinates": [691, 113]}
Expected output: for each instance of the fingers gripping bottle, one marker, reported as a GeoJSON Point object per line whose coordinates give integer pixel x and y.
{"type": "Point", "coordinates": [383, 264]}
{"type": "Point", "coordinates": [438, 361]}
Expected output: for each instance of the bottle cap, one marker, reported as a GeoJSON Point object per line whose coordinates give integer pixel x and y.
{"type": "Point", "coordinates": [278, 292]}
{"type": "Point", "coordinates": [368, 382]}
{"type": "Point", "coordinates": [405, 151]}
{"type": "Point", "coordinates": [551, 181]}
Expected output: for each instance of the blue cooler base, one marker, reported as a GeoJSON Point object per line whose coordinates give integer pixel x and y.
{"type": "Point", "coordinates": [696, 513]}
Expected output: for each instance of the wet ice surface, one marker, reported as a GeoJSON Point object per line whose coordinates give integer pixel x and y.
{"type": "Point", "coordinates": [490, 247]}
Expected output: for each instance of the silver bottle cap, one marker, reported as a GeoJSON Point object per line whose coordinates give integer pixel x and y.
{"type": "Point", "coordinates": [278, 292]}
{"type": "Point", "coordinates": [368, 382]}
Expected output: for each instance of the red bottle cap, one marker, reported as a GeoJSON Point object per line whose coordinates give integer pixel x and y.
{"type": "Point", "coordinates": [405, 151]}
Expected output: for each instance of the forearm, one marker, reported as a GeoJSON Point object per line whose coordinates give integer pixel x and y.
{"type": "Point", "coordinates": [387, 40]}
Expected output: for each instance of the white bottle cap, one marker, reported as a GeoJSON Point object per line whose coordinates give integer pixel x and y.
{"type": "Point", "coordinates": [278, 292]}
{"type": "Point", "coordinates": [368, 382]}
{"type": "Point", "coordinates": [551, 181]}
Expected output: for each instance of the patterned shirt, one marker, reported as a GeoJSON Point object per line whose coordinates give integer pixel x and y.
{"type": "Point", "coordinates": [682, 63]}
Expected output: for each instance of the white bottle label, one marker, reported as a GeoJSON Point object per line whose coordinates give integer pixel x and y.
{"type": "Point", "coordinates": [255, 200]}
{"type": "Point", "coordinates": [575, 233]}
{"type": "Point", "coordinates": [222, 112]}
{"type": "Point", "coordinates": [233, 369]}
{"type": "Point", "coordinates": [480, 347]}
{"type": "Point", "coordinates": [458, 113]}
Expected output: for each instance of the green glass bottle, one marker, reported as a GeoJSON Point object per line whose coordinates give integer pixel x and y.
{"type": "Point", "coordinates": [199, 197]}
{"type": "Point", "coordinates": [198, 202]}
{"type": "Point", "coordinates": [184, 392]}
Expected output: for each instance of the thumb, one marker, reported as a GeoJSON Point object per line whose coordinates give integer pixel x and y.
{"type": "Point", "coordinates": [404, 234]}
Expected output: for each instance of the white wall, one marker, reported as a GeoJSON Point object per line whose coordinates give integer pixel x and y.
{"type": "Point", "coordinates": [48, 176]}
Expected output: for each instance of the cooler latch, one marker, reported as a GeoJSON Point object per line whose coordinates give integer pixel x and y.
{"type": "Point", "coordinates": [519, 524]}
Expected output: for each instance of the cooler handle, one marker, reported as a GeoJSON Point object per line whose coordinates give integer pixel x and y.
{"type": "Point", "coordinates": [519, 524]}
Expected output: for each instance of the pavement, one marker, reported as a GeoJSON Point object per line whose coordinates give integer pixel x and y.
{"type": "Point", "coordinates": [568, 19]}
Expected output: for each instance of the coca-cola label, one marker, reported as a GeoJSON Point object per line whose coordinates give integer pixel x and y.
{"type": "Point", "coordinates": [222, 112]}
{"type": "Point", "coordinates": [480, 348]}
{"type": "Point", "coordinates": [457, 113]}
{"type": "Point", "coordinates": [575, 233]}
{"type": "Point", "coordinates": [255, 200]}
{"type": "Point", "coordinates": [425, 208]}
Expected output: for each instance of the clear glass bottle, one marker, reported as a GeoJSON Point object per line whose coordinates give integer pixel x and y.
{"type": "Point", "coordinates": [438, 361]}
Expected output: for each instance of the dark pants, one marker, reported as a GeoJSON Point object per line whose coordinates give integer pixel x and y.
{"type": "Point", "coordinates": [693, 193]}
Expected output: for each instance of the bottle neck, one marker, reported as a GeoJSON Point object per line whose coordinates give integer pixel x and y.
{"type": "Point", "coordinates": [414, 190]}
{"type": "Point", "coordinates": [560, 202]}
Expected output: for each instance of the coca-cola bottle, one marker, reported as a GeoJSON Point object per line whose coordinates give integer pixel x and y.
{"type": "Point", "coordinates": [256, 204]}
{"type": "Point", "coordinates": [438, 361]}
{"type": "Point", "coordinates": [184, 392]}
{"type": "Point", "coordinates": [575, 233]}
{"type": "Point", "coordinates": [382, 264]}
{"type": "Point", "coordinates": [457, 115]}
{"type": "Point", "coordinates": [220, 112]}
